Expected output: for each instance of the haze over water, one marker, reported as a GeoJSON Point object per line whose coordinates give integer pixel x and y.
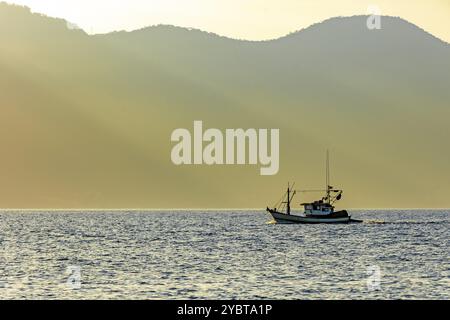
{"type": "Point", "coordinates": [223, 254]}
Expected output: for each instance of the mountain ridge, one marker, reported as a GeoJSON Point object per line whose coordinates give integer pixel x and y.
{"type": "Point", "coordinates": [205, 32]}
{"type": "Point", "coordinates": [85, 121]}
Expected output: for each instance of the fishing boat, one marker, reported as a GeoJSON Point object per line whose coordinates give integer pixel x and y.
{"type": "Point", "coordinates": [320, 211]}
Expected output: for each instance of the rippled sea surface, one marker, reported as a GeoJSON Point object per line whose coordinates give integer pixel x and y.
{"type": "Point", "coordinates": [222, 254]}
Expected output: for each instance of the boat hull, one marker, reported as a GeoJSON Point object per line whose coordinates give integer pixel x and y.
{"type": "Point", "coordinates": [289, 218]}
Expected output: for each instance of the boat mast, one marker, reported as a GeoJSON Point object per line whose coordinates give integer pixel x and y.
{"type": "Point", "coordinates": [288, 206]}
{"type": "Point", "coordinates": [328, 176]}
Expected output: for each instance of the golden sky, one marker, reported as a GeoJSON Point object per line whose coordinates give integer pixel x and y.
{"type": "Point", "coordinates": [243, 19]}
{"type": "Point", "coordinates": [87, 124]}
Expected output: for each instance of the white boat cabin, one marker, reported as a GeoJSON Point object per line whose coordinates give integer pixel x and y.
{"type": "Point", "coordinates": [318, 208]}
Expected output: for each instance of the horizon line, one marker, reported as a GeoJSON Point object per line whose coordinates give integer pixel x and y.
{"type": "Point", "coordinates": [191, 209]}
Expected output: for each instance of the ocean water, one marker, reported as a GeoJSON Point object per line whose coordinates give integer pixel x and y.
{"type": "Point", "coordinates": [395, 254]}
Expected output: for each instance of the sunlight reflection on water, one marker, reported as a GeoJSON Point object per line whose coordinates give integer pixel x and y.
{"type": "Point", "coordinates": [222, 254]}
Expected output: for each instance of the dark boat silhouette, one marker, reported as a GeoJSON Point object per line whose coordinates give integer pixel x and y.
{"type": "Point", "coordinates": [320, 211]}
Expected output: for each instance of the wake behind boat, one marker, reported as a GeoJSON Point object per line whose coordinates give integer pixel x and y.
{"type": "Point", "coordinates": [320, 211]}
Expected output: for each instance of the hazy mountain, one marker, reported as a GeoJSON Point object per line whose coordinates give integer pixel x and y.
{"type": "Point", "coordinates": [85, 121]}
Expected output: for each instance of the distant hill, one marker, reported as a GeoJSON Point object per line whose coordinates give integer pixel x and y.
{"type": "Point", "coordinates": [85, 121]}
